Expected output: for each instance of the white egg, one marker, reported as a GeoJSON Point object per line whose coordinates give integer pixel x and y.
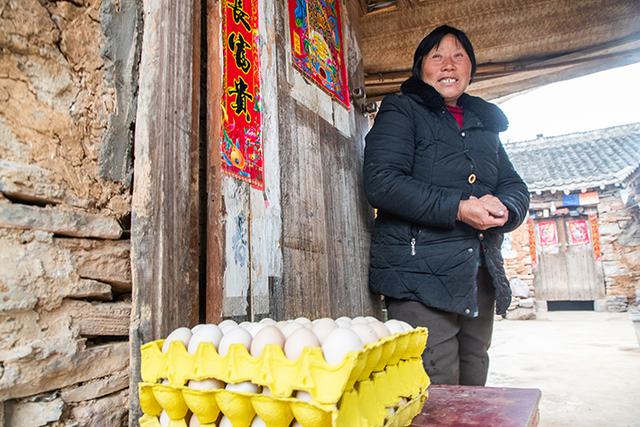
{"type": "Point", "coordinates": [380, 329]}
{"type": "Point", "coordinates": [359, 320]}
{"type": "Point", "coordinates": [390, 412]}
{"type": "Point", "coordinates": [298, 341]}
{"type": "Point", "coordinates": [258, 422]}
{"type": "Point", "coordinates": [302, 320]}
{"type": "Point", "coordinates": [164, 381]}
{"type": "Point", "coordinates": [394, 326]}
{"type": "Point", "coordinates": [180, 334]}
{"type": "Point", "coordinates": [323, 327]}
{"type": "Point", "coordinates": [371, 319]}
{"type": "Point", "coordinates": [364, 332]}
{"type": "Point", "coordinates": [266, 391]}
{"type": "Point", "coordinates": [338, 343]}
{"type": "Point", "coordinates": [290, 328]}
{"type": "Point", "coordinates": [245, 386]}
{"type": "Point", "coordinates": [208, 384]}
{"type": "Point", "coordinates": [235, 336]}
{"type": "Point", "coordinates": [197, 327]}
{"type": "Point", "coordinates": [282, 323]}
{"type": "Point", "coordinates": [164, 419]}
{"type": "Point", "coordinates": [304, 396]}
{"type": "Point", "coordinates": [244, 324]}
{"type": "Point", "coordinates": [254, 328]}
{"type": "Point", "coordinates": [267, 321]}
{"type": "Point", "coordinates": [225, 422]}
{"type": "Point", "coordinates": [207, 333]}
{"type": "Point", "coordinates": [403, 401]}
{"type": "Point", "coordinates": [227, 325]}
{"type": "Point", "coordinates": [343, 322]}
{"type": "Point", "coordinates": [267, 335]}
{"type": "Point", "coordinates": [296, 424]}
{"type": "Point", "coordinates": [405, 326]}
{"type": "Point", "coordinates": [194, 422]}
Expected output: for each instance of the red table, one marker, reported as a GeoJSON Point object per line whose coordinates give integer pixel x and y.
{"type": "Point", "coordinates": [466, 406]}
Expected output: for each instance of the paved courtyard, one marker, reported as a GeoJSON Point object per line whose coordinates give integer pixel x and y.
{"type": "Point", "coordinates": [586, 364]}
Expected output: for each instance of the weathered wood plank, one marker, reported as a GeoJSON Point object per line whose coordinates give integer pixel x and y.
{"type": "Point", "coordinates": [325, 217]}
{"type": "Point", "coordinates": [266, 223]}
{"type": "Point", "coordinates": [165, 205]}
{"type": "Point", "coordinates": [216, 263]}
{"type": "Point", "coordinates": [235, 194]}
{"type": "Point", "coordinates": [305, 257]}
{"type": "Point", "coordinates": [58, 221]}
{"type": "Point", "coordinates": [101, 319]}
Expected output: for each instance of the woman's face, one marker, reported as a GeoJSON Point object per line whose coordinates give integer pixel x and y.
{"type": "Point", "coordinates": [447, 68]}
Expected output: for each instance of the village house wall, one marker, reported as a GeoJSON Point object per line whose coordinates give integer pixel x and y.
{"type": "Point", "coordinates": [67, 84]}
{"type": "Point", "coordinates": [619, 228]}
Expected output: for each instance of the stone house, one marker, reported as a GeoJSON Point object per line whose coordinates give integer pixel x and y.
{"type": "Point", "coordinates": [582, 241]}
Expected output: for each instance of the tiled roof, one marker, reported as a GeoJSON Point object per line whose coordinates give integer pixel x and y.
{"type": "Point", "coordinates": [579, 160]}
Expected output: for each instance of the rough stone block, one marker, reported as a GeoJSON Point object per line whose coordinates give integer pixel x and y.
{"type": "Point", "coordinates": [600, 305]}
{"type": "Point", "coordinates": [521, 314]}
{"type": "Point", "coordinates": [58, 221]}
{"type": "Point", "coordinates": [33, 414]}
{"type": "Point", "coordinates": [526, 303]}
{"type": "Point", "coordinates": [519, 288]}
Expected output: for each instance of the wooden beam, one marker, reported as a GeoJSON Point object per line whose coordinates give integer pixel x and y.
{"type": "Point", "coordinates": [215, 210]}
{"type": "Point", "coordinates": [165, 204]}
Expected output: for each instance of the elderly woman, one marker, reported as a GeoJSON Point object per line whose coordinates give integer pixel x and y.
{"type": "Point", "coordinates": [446, 192]}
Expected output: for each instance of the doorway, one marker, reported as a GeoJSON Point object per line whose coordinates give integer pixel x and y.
{"type": "Point", "coordinates": [567, 268]}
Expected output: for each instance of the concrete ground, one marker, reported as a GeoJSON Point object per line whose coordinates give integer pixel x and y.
{"type": "Point", "coordinates": [586, 364]}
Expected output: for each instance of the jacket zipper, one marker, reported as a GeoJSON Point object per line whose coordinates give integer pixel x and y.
{"type": "Point", "coordinates": [413, 239]}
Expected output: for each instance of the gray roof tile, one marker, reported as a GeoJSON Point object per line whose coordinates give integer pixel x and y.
{"type": "Point", "coordinates": [578, 160]}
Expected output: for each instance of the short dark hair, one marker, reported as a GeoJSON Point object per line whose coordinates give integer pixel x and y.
{"type": "Point", "coordinates": [433, 39]}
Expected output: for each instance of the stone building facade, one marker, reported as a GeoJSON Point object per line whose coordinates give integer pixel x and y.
{"type": "Point", "coordinates": [591, 174]}
{"type": "Point", "coordinates": [67, 83]}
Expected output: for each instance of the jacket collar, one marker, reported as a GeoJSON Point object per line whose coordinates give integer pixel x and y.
{"type": "Point", "coordinates": [489, 114]}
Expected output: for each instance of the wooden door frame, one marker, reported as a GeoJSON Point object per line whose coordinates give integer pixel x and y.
{"type": "Point", "coordinates": [166, 204]}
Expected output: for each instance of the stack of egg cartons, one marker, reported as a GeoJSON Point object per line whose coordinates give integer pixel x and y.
{"type": "Point", "coordinates": [327, 373]}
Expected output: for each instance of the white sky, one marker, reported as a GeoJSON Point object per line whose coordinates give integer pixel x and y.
{"type": "Point", "coordinates": [607, 98]}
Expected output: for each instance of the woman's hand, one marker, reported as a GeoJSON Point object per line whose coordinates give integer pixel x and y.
{"type": "Point", "coordinates": [483, 213]}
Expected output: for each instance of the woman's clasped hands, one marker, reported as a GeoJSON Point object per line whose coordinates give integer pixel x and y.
{"type": "Point", "coordinates": [483, 213]}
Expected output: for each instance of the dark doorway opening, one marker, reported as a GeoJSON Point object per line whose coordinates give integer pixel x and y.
{"type": "Point", "coordinates": [570, 305]}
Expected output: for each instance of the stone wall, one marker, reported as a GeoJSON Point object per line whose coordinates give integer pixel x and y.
{"type": "Point", "coordinates": [517, 263]}
{"type": "Point", "coordinates": [619, 227]}
{"type": "Point", "coordinates": [66, 92]}
{"type": "Point", "coordinates": [620, 239]}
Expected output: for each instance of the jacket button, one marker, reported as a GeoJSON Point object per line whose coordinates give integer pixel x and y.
{"type": "Point", "coordinates": [480, 236]}
{"type": "Point", "coordinates": [467, 311]}
{"type": "Point", "coordinates": [470, 250]}
{"type": "Point", "coordinates": [463, 134]}
{"type": "Point", "coordinates": [472, 178]}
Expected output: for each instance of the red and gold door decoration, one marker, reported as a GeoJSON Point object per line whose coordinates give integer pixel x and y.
{"type": "Point", "coordinates": [578, 232]}
{"type": "Point", "coordinates": [532, 242]}
{"type": "Point", "coordinates": [241, 145]}
{"type": "Point", "coordinates": [595, 236]}
{"type": "Point", "coordinates": [548, 233]}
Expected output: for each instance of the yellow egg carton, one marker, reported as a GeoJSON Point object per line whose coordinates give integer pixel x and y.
{"type": "Point", "coordinates": [362, 406]}
{"type": "Point", "coordinates": [310, 372]}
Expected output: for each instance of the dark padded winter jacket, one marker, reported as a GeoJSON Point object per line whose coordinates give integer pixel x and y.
{"type": "Point", "coordinates": [418, 166]}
